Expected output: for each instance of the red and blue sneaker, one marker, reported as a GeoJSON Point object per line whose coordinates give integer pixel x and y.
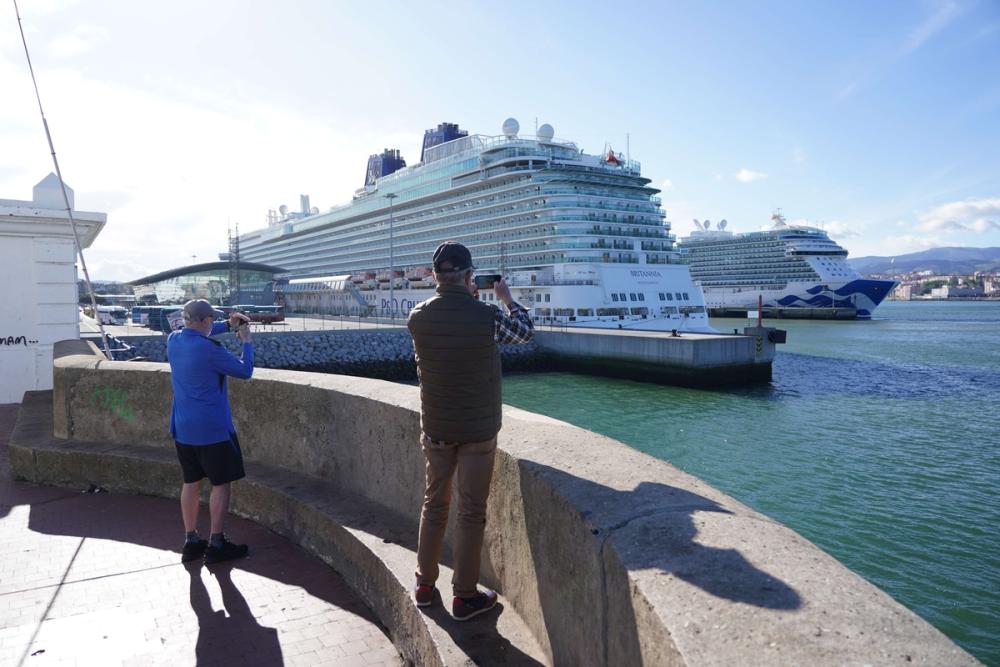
{"type": "Point", "coordinates": [423, 595]}
{"type": "Point", "coordinates": [462, 609]}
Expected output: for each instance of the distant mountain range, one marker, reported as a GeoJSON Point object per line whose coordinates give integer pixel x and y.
{"type": "Point", "coordinates": [938, 260]}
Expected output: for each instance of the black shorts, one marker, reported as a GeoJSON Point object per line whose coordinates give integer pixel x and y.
{"type": "Point", "coordinates": [221, 462]}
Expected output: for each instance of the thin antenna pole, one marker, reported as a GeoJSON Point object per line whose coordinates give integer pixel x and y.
{"type": "Point", "coordinates": [62, 186]}
{"type": "Point", "coordinates": [628, 149]}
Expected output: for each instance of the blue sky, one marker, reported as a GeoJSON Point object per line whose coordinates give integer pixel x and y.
{"type": "Point", "coordinates": [879, 121]}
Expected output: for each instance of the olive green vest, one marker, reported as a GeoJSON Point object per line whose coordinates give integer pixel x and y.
{"type": "Point", "coordinates": [458, 364]}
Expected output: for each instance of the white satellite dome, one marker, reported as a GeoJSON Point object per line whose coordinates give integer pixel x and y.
{"type": "Point", "coordinates": [510, 128]}
{"type": "Point", "coordinates": [545, 132]}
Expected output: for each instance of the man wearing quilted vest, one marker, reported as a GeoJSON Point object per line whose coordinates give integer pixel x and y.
{"type": "Point", "coordinates": [455, 337]}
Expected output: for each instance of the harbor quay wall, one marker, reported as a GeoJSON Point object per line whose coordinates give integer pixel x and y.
{"type": "Point", "coordinates": [610, 556]}
{"type": "Point", "coordinates": [689, 359]}
{"type": "Point", "coordinates": [385, 354]}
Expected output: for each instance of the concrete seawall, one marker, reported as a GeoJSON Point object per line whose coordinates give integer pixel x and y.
{"type": "Point", "coordinates": [387, 354]}
{"type": "Point", "coordinates": [609, 556]}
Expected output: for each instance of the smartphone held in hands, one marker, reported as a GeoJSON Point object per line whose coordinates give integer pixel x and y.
{"type": "Point", "coordinates": [486, 281]}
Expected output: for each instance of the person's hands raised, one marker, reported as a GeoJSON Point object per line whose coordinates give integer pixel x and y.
{"type": "Point", "coordinates": [236, 319]}
{"type": "Point", "coordinates": [502, 291]}
{"type": "Point", "coordinates": [243, 333]}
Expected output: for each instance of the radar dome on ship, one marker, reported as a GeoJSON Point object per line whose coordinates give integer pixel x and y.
{"type": "Point", "coordinates": [545, 132]}
{"type": "Point", "coordinates": [510, 128]}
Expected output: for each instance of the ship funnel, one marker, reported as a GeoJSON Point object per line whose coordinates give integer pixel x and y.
{"type": "Point", "coordinates": [442, 134]}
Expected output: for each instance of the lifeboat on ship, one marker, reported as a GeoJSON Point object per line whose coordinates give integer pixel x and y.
{"type": "Point", "coordinates": [418, 272]}
{"type": "Point", "coordinates": [420, 276]}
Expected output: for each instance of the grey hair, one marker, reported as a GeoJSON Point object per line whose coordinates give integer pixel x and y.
{"type": "Point", "coordinates": [453, 278]}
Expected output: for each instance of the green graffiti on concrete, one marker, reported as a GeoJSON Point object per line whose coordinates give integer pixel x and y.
{"type": "Point", "coordinates": [114, 400]}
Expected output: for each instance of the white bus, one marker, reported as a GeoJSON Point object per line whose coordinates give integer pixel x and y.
{"type": "Point", "coordinates": [112, 315]}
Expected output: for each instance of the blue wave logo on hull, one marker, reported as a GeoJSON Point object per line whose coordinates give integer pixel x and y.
{"type": "Point", "coordinates": [863, 295]}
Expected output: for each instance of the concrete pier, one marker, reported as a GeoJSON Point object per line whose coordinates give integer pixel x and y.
{"type": "Point", "coordinates": [687, 359]}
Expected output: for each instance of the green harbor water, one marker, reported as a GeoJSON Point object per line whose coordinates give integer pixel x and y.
{"type": "Point", "coordinates": [879, 441]}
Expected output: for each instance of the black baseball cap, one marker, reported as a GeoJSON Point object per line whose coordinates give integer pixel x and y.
{"type": "Point", "coordinates": [452, 257]}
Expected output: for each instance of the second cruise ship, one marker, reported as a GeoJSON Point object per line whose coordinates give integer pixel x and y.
{"type": "Point", "coordinates": [581, 238]}
{"type": "Point", "coordinates": [796, 269]}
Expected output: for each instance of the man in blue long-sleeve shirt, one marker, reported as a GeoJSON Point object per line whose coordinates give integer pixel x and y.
{"type": "Point", "coordinates": [202, 424]}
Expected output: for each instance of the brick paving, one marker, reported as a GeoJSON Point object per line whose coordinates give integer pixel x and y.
{"type": "Point", "coordinates": [96, 579]}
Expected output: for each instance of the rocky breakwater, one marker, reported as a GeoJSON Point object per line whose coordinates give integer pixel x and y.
{"type": "Point", "coordinates": [385, 354]}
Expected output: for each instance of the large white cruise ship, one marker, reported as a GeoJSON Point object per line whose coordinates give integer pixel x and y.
{"type": "Point", "coordinates": [797, 269]}
{"type": "Point", "coordinates": [581, 238]}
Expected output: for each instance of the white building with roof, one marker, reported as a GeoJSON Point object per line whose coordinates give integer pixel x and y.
{"type": "Point", "coordinates": [39, 296]}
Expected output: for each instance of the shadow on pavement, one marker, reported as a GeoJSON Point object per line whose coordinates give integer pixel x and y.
{"type": "Point", "coordinates": [156, 523]}
{"type": "Point", "coordinates": [216, 626]}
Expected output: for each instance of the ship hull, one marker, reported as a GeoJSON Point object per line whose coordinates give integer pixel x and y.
{"type": "Point", "coordinates": [861, 296]}
{"type": "Point", "coordinates": [588, 296]}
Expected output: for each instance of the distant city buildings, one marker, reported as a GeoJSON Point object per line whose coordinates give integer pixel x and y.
{"type": "Point", "coordinates": [950, 292]}
{"type": "Point", "coordinates": [929, 285]}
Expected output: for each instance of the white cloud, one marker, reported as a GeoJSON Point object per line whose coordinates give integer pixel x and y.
{"type": "Point", "coordinates": [841, 230]}
{"type": "Point", "coordinates": [170, 172]}
{"type": "Point", "coordinates": [971, 215]}
{"type": "Point", "coordinates": [946, 13]}
{"type": "Point", "coordinates": [82, 39]}
{"type": "Point", "coordinates": [871, 70]}
{"type": "Point", "coordinates": [748, 176]}
{"type": "Point", "coordinates": [847, 90]}
{"type": "Point", "coordinates": [666, 184]}
{"type": "Point", "coordinates": [835, 228]}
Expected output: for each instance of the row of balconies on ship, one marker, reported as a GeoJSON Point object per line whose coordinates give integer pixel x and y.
{"type": "Point", "coordinates": [741, 262]}
{"type": "Point", "coordinates": [595, 176]}
{"type": "Point", "coordinates": [483, 254]}
{"type": "Point", "coordinates": [748, 276]}
{"type": "Point", "coordinates": [483, 261]}
{"type": "Point", "coordinates": [521, 191]}
{"type": "Point", "coordinates": [539, 209]}
{"type": "Point", "coordinates": [497, 220]}
{"type": "Point", "coordinates": [620, 199]}
{"type": "Point", "coordinates": [513, 241]}
{"type": "Point", "coordinates": [420, 254]}
{"type": "Point", "coordinates": [291, 250]}
{"type": "Point", "coordinates": [744, 251]}
{"type": "Point", "coordinates": [758, 267]}
{"type": "Point", "coordinates": [737, 247]}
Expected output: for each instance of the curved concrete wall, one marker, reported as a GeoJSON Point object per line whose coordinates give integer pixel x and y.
{"type": "Point", "coordinates": [610, 556]}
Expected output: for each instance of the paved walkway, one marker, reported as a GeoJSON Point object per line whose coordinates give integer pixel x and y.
{"type": "Point", "coordinates": [96, 579]}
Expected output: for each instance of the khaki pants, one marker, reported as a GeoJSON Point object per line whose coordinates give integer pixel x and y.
{"type": "Point", "coordinates": [474, 463]}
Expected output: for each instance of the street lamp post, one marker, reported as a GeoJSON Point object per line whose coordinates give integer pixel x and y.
{"type": "Point", "coordinates": [392, 301]}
